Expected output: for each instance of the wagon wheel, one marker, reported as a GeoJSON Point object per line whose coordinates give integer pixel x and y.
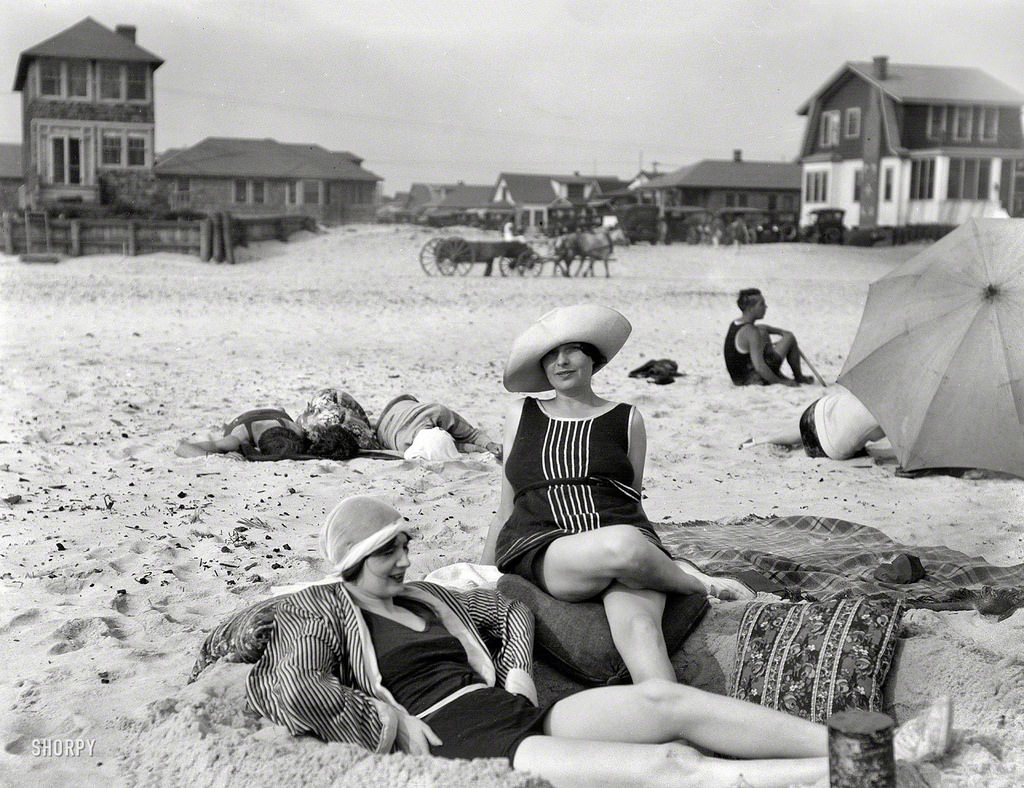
{"type": "Point", "coordinates": [507, 265]}
{"type": "Point", "coordinates": [463, 267]}
{"type": "Point", "coordinates": [428, 259]}
{"type": "Point", "coordinates": [448, 253]}
{"type": "Point", "coordinates": [529, 262]}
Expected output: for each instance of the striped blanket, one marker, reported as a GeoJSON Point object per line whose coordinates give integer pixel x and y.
{"type": "Point", "coordinates": [818, 558]}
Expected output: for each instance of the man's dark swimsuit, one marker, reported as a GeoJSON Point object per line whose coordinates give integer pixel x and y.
{"type": "Point", "coordinates": [741, 368]}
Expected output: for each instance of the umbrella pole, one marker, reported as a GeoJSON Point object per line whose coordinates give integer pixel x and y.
{"type": "Point", "coordinates": [810, 366]}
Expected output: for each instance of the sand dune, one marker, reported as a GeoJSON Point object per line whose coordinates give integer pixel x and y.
{"type": "Point", "coordinates": [118, 556]}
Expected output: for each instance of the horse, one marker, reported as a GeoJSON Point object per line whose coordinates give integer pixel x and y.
{"type": "Point", "coordinates": [589, 246]}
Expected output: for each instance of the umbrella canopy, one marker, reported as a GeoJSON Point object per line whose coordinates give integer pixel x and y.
{"type": "Point", "coordinates": [939, 355]}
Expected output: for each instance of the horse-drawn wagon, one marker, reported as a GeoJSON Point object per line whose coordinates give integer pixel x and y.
{"type": "Point", "coordinates": [450, 255]}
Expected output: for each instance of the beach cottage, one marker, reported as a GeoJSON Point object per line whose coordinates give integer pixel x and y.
{"type": "Point", "coordinates": [87, 116]}
{"type": "Point", "coordinates": [895, 144]}
{"type": "Point", "coordinates": [11, 175]}
{"type": "Point", "coordinates": [252, 177]}
{"type": "Point", "coordinates": [730, 183]}
{"type": "Point", "coordinates": [535, 195]}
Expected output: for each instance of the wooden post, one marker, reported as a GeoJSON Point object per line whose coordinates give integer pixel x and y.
{"type": "Point", "coordinates": [8, 233]}
{"type": "Point", "coordinates": [229, 241]}
{"type": "Point", "coordinates": [205, 241]}
{"type": "Point", "coordinates": [218, 239]}
{"type": "Point", "coordinates": [76, 238]}
{"type": "Point", "coordinates": [130, 229]}
{"type": "Point", "coordinates": [860, 750]}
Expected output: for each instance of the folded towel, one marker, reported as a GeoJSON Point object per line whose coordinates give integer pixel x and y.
{"type": "Point", "coordinates": [465, 576]}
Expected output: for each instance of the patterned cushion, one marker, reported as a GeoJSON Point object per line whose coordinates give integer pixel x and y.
{"type": "Point", "coordinates": [573, 637]}
{"type": "Point", "coordinates": [242, 637]}
{"type": "Point", "coordinates": [816, 658]}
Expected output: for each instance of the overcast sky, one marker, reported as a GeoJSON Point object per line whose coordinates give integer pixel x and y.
{"type": "Point", "coordinates": [447, 90]}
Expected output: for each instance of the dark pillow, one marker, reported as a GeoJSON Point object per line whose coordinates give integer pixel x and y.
{"type": "Point", "coordinates": [812, 659]}
{"type": "Point", "coordinates": [573, 637]}
{"type": "Point", "coordinates": [242, 637]}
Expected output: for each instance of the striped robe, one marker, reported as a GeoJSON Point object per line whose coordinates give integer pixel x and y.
{"type": "Point", "coordinates": [319, 673]}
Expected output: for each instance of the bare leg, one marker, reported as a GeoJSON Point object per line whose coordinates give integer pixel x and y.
{"type": "Point", "coordinates": [567, 763]}
{"type": "Point", "coordinates": [660, 711]}
{"type": "Point", "coordinates": [788, 349]}
{"type": "Point", "coordinates": [634, 618]}
{"type": "Point", "coordinates": [580, 566]}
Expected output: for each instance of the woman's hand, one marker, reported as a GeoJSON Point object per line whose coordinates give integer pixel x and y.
{"type": "Point", "coordinates": [414, 736]}
{"type": "Point", "coordinates": [726, 588]}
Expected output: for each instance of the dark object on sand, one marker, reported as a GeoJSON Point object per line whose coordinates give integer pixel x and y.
{"type": "Point", "coordinates": [905, 568]}
{"type": "Point", "coordinates": [661, 371]}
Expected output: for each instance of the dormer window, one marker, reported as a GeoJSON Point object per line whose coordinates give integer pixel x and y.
{"type": "Point", "coordinates": [110, 81]}
{"type": "Point", "coordinates": [829, 135]}
{"type": "Point", "coordinates": [851, 127]}
{"type": "Point", "coordinates": [49, 78]}
{"type": "Point", "coordinates": [936, 122]}
{"type": "Point", "coordinates": [962, 117]}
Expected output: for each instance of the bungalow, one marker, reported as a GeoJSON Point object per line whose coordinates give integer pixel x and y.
{"type": "Point", "coordinates": [11, 176]}
{"type": "Point", "coordinates": [424, 196]}
{"type": "Point", "coordinates": [896, 144]}
{"type": "Point", "coordinates": [88, 116]}
{"type": "Point", "coordinates": [473, 204]}
{"type": "Point", "coordinates": [735, 183]}
{"type": "Point", "coordinates": [262, 176]}
{"type": "Point", "coordinates": [534, 195]}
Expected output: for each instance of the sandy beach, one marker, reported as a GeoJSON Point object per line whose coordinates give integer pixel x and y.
{"type": "Point", "coordinates": [118, 557]}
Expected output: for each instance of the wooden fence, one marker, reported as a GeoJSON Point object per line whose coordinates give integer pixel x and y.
{"type": "Point", "coordinates": [204, 238]}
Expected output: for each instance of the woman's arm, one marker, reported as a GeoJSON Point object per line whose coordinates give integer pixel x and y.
{"type": "Point", "coordinates": [512, 417]}
{"type": "Point", "coordinates": [637, 452]}
{"type": "Point", "coordinates": [510, 623]}
{"type": "Point", "coordinates": [301, 689]}
{"type": "Point", "coordinates": [223, 445]}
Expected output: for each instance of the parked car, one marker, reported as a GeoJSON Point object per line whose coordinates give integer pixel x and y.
{"type": "Point", "coordinates": [826, 226]}
{"type": "Point", "coordinates": [641, 222]}
{"type": "Point", "coordinates": [689, 223]}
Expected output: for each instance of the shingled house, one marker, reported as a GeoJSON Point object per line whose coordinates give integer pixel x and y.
{"type": "Point", "coordinates": [264, 176]}
{"type": "Point", "coordinates": [87, 116]}
{"type": "Point", "coordinates": [896, 144]}
{"type": "Point", "coordinates": [534, 195]}
{"type": "Point", "coordinates": [730, 183]}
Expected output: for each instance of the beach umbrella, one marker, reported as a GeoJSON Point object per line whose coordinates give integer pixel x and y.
{"type": "Point", "coordinates": [939, 355]}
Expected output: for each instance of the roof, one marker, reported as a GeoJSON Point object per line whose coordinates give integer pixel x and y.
{"type": "Point", "coordinates": [536, 188]}
{"type": "Point", "coordinates": [611, 183]}
{"type": "Point", "coordinates": [87, 39]}
{"type": "Point", "coordinates": [730, 174]}
{"type": "Point", "coordinates": [465, 195]}
{"type": "Point", "coordinates": [10, 160]}
{"type": "Point", "coordinates": [235, 157]}
{"type": "Point", "coordinates": [907, 83]}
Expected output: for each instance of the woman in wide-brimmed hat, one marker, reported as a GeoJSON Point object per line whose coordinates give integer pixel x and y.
{"type": "Point", "coordinates": [570, 519]}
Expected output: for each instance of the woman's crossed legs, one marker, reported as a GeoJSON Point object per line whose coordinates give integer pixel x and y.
{"type": "Point", "coordinates": [633, 735]}
{"type": "Point", "coordinates": [632, 576]}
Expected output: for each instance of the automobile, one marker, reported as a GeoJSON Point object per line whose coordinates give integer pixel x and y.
{"type": "Point", "coordinates": [690, 223]}
{"type": "Point", "coordinates": [641, 222]}
{"type": "Point", "coordinates": [826, 226]}
{"type": "Point", "coordinates": [391, 213]}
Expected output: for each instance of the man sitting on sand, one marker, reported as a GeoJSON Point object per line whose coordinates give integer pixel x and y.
{"type": "Point", "coordinates": [427, 428]}
{"type": "Point", "coordinates": [751, 356]}
{"type": "Point", "coordinates": [837, 426]}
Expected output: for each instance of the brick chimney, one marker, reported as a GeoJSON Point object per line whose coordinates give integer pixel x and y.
{"type": "Point", "coordinates": [881, 66]}
{"type": "Point", "coordinates": [737, 154]}
{"type": "Point", "coordinates": [128, 31]}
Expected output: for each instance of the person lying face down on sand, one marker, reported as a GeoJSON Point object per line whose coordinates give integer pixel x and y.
{"type": "Point", "coordinates": [751, 356]}
{"type": "Point", "coordinates": [404, 419]}
{"type": "Point", "coordinates": [367, 658]}
{"type": "Point", "coordinates": [264, 433]}
{"type": "Point", "coordinates": [837, 426]}
{"type": "Point", "coordinates": [570, 519]}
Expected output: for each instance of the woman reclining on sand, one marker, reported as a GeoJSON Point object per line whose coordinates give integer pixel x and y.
{"type": "Point", "coordinates": [570, 519]}
{"type": "Point", "coordinates": [366, 658]}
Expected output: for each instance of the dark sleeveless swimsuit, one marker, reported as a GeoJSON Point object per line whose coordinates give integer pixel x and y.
{"type": "Point", "coordinates": [260, 414]}
{"type": "Point", "coordinates": [420, 669]}
{"type": "Point", "coordinates": [740, 367]}
{"type": "Point", "coordinates": [569, 476]}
